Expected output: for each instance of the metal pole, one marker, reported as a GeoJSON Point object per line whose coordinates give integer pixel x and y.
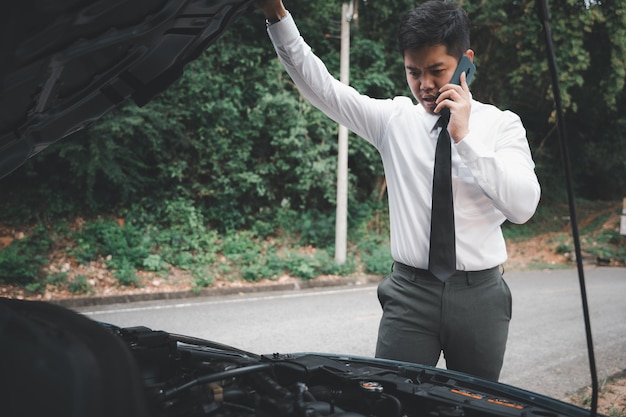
{"type": "Point", "coordinates": [341, 221]}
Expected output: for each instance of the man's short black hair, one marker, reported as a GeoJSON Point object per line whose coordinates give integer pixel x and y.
{"type": "Point", "coordinates": [435, 22]}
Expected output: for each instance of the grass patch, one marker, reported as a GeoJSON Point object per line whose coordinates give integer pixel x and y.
{"type": "Point", "coordinates": [611, 396]}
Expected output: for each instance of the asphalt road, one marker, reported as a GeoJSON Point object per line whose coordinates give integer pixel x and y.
{"type": "Point", "coordinates": [546, 351]}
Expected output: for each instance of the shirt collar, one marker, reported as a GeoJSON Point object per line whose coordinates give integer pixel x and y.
{"type": "Point", "coordinates": [432, 120]}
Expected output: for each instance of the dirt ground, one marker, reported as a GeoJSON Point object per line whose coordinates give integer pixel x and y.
{"type": "Point", "coordinates": [611, 397]}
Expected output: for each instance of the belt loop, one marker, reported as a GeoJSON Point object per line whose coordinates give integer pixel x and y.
{"type": "Point", "coordinates": [468, 278]}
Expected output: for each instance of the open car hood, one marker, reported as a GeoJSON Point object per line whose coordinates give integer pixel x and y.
{"type": "Point", "coordinates": [64, 64]}
{"type": "Point", "coordinates": [58, 362]}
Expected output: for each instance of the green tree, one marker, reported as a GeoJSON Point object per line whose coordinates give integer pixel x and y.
{"type": "Point", "coordinates": [235, 137]}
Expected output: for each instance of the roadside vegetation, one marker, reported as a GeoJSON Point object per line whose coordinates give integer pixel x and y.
{"type": "Point", "coordinates": [176, 245]}
{"type": "Point", "coordinates": [177, 241]}
{"type": "Point", "coordinates": [611, 396]}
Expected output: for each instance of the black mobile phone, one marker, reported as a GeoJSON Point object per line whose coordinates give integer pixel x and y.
{"type": "Point", "coordinates": [466, 66]}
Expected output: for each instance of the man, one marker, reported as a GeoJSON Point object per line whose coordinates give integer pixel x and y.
{"type": "Point", "coordinates": [464, 313]}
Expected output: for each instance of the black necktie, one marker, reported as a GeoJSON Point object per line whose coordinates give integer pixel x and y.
{"type": "Point", "coordinates": [442, 256]}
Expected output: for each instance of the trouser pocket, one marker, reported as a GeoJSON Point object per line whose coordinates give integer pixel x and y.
{"type": "Point", "coordinates": [383, 290]}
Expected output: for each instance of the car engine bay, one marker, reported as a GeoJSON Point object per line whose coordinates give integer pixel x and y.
{"type": "Point", "coordinates": [185, 376]}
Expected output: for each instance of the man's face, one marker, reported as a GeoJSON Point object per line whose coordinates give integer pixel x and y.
{"type": "Point", "coordinates": [427, 70]}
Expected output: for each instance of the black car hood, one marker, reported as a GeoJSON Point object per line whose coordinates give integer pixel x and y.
{"type": "Point", "coordinates": [64, 64]}
{"type": "Point", "coordinates": [73, 366]}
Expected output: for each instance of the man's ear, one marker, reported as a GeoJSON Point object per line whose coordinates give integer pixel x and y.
{"type": "Point", "coordinates": [470, 54]}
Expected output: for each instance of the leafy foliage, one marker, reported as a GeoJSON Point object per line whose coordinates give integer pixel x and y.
{"type": "Point", "coordinates": [233, 147]}
{"type": "Point", "coordinates": [121, 246]}
{"type": "Point", "coordinates": [80, 285]}
{"type": "Point", "coordinates": [21, 261]}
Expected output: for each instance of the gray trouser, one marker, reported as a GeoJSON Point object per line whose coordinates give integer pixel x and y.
{"type": "Point", "coordinates": [467, 317]}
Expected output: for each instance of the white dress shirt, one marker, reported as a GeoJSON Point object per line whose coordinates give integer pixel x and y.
{"type": "Point", "coordinates": [493, 176]}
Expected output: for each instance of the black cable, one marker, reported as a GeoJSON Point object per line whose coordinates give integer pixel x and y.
{"type": "Point", "coordinates": [544, 16]}
{"type": "Point", "coordinates": [204, 379]}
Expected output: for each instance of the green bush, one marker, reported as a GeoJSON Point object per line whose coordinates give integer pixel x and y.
{"type": "Point", "coordinates": [39, 286]}
{"type": "Point", "coordinates": [375, 254]}
{"type": "Point", "coordinates": [55, 279]}
{"type": "Point", "coordinates": [317, 229]}
{"type": "Point", "coordinates": [155, 263]}
{"type": "Point", "coordinates": [241, 247]}
{"type": "Point", "coordinates": [123, 248]}
{"type": "Point", "coordinates": [257, 271]}
{"type": "Point", "coordinates": [106, 238]}
{"type": "Point", "coordinates": [563, 248]}
{"type": "Point", "coordinates": [378, 261]}
{"type": "Point", "coordinates": [303, 266]}
{"type": "Point", "coordinates": [80, 285]}
{"type": "Point", "coordinates": [204, 275]}
{"type": "Point", "coordinates": [22, 260]}
{"type": "Point", "coordinates": [126, 273]}
{"type": "Point", "coordinates": [607, 244]}
{"type": "Point", "coordinates": [177, 234]}
{"type": "Point", "coordinates": [327, 265]}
